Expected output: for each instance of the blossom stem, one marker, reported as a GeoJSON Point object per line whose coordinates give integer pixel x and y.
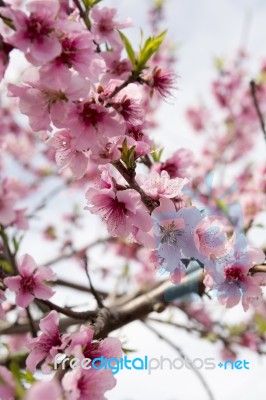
{"type": "Point", "coordinates": [253, 89]}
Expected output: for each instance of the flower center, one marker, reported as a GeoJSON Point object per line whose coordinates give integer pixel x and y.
{"type": "Point", "coordinates": [37, 28]}
{"type": "Point", "coordinates": [233, 273]}
{"type": "Point", "coordinates": [27, 284]}
{"type": "Point", "coordinates": [91, 116]}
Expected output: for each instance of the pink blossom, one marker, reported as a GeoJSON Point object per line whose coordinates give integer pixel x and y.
{"type": "Point", "coordinates": [10, 192]}
{"type": "Point", "coordinates": [66, 156]}
{"type": "Point", "coordinates": [7, 385]}
{"type": "Point", "coordinates": [4, 56]}
{"type": "Point", "coordinates": [47, 345]}
{"type": "Point", "coordinates": [105, 26]}
{"type": "Point", "coordinates": [46, 101]}
{"type": "Point", "coordinates": [230, 280]}
{"type": "Point", "coordinates": [35, 34]}
{"type": "Point", "coordinates": [88, 121]}
{"type": "Point", "coordinates": [78, 52]}
{"type": "Point", "coordinates": [115, 67]}
{"type": "Point", "coordinates": [121, 210]}
{"type": "Point", "coordinates": [163, 82]}
{"type": "Point", "coordinates": [44, 390]}
{"type": "Point", "coordinates": [31, 282]}
{"type": "Point", "coordinates": [198, 118]}
{"type": "Point", "coordinates": [178, 165]}
{"type": "Point", "coordinates": [89, 384]}
{"type": "Point", "coordinates": [162, 185]}
{"type": "Point", "coordinates": [83, 345]}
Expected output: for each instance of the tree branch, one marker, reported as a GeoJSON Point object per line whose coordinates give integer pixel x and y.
{"type": "Point", "coordinates": [253, 90]}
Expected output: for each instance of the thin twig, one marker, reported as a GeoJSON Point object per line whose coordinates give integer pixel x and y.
{"type": "Point", "coordinates": [182, 354]}
{"type": "Point", "coordinates": [31, 323]}
{"type": "Point", "coordinates": [93, 291]}
{"type": "Point", "coordinates": [67, 311]}
{"type": "Point", "coordinates": [253, 90]}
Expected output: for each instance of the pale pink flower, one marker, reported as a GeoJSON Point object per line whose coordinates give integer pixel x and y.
{"type": "Point", "coordinates": [44, 390]}
{"type": "Point", "coordinates": [230, 280]}
{"type": "Point", "coordinates": [210, 237]}
{"type": "Point", "coordinates": [7, 384]}
{"type": "Point", "coordinates": [198, 118]}
{"type": "Point", "coordinates": [115, 67]}
{"type": "Point", "coordinates": [105, 26]}
{"type": "Point", "coordinates": [67, 156]}
{"type": "Point", "coordinates": [31, 283]}
{"type": "Point", "coordinates": [47, 345]}
{"type": "Point", "coordinates": [44, 102]}
{"type": "Point", "coordinates": [89, 384]}
{"type": "Point", "coordinates": [122, 210]}
{"type": "Point", "coordinates": [157, 186]}
{"type": "Point", "coordinates": [88, 121]}
{"type": "Point", "coordinates": [35, 34]}
{"type": "Point", "coordinates": [10, 192]}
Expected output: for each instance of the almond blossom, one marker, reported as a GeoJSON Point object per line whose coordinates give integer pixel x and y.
{"type": "Point", "coordinates": [122, 210]}
{"type": "Point", "coordinates": [7, 384]}
{"type": "Point", "coordinates": [31, 283]}
{"type": "Point", "coordinates": [89, 384]}
{"type": "Point", "coordinates": [2, 298]}
{"type": "Point", "coordinates": [35, 34]}
{"type": "Point", "coordinates": [161, 185]}
{"type": "Point", "coordinates": [47, 345]}
{"type": "Point", "coordinates": [66, 156]}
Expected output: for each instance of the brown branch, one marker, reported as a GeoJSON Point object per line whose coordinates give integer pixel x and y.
{"type": "Point", "coordinates": [129, 176]}
{"type": "Point", "coordinates": [67, 311]}
{"type": "Point", "coordinates": [253, 90]}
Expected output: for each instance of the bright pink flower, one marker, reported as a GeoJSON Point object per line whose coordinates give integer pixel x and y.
{"type": "Point", "coordinates": [44, 390]}
{"type": "Point", "coordinates": [105, 151]}
{"type": "Point", "coordinates": [178, 165]}
{"type": "Point", "coordinates": [66, 156]}
{"type": "Point", "coordinates": [89, 384]}
{"type": "Point", "coordinates": [43, 101]}
{"type": "Point", "coordinates": [2, 298]}
{"type": "Point", "coordinates": [88, 121]}
{"type": "Point", "coordinates": [128, 102]}
{"type": "Point", "coordinates": [121, 210]}
{"type": "Point", "coordinates": [163, 82]}
{"type": "Point", "coordinates": [105, 26]}
{"type": "Point", "coordinates": [35, 34]}
{"type": "Point", "coordinates": [78, 52]}
{"type": "Point", "coordinates": [83, 345]}
{"type": "Point", "coordinates": [115, 67]}
{"type": "Point", "coordinates": [47, 345]}
{"type": "Point", "coordinates": [7, 385]}
{"type": "Point", "coordinates": [156, 185]}
{"type": "Point", "coordinates": [31, 282]}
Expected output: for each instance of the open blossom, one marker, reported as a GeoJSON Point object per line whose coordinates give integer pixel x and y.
{"type": "Point", "coordinates": [35, 34]}
{"type": "Point", "coordinates": [90, 384]}
{"type": "Point", "coordinates": [67, 156]}
{"type": "Point", "coordinates": [160, 185]}
{"type": "Point", "coordinates": [105, 26]}
{"type": "Point", "coordinates": [177, 165]}
{"type": "Point", "coordinates": [78, 52]}
{"type": "Point", "coordinates": [163, 82]}
{"type": "Point", "coordinates": [122, 210]}
{"type": "Point", "coordinates": [230, 280]}
{"type": "Point", "coordinates": [89, 121]}
{"type": "Point", "coordinates": [44, 102]}
{"type": "Point", "coordinates": [7, 384]}
{"type": "Point", "coordinates": [83, 345]}
{"type": "Point", "coordinates": [31, 282]}
{"type": "Point", "coordinates": [47, 345]}
{"type": "Point", "coordinates": [44, 390]}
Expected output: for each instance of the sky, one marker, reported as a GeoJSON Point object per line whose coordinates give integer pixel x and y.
{"type": "Point", "coordinates": [202, 29]}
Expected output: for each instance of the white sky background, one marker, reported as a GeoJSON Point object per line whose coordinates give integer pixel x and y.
{"type": "Point", "coordinates": [204, 29]}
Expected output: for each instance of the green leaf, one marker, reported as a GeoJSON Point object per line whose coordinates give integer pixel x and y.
{"type": "Point", "coordinates": [126, 350]}
{"type": "Point", "coordinates": [156, 155]}
{"type": "Point", "coordinates": [6, 266]}
{"type": "Point", "coordinates": [128, 155]}
{"type": "Point", "coordinates": [151, 46]}
{"type": "Point", "coordinates": [129, 48]}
